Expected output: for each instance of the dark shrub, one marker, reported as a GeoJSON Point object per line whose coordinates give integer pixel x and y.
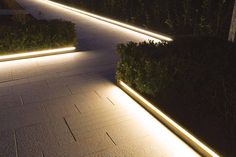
{"type": "Point", "coordinates": [192, 79]}
{"type": "Point", "coordinates": [35, 35]}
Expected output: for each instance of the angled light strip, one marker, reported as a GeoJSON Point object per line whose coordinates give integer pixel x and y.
{"type": "Point", "coordinates": [136, 29]}
{"type": "Point", "coordinates": [166, 120]}
{"type": "Point", "coordinates": [36, 54]}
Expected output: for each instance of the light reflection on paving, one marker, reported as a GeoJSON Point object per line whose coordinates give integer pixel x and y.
{"type": "Point", "coordinates": [91, 121]}
{"type": "Point", "coordinates": [67, 105]}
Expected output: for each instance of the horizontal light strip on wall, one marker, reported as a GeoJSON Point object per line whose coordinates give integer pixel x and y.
{"type": "Point", "coordinates": [33, 54]}
{"type": "Point", "coordinates": [181, 132]}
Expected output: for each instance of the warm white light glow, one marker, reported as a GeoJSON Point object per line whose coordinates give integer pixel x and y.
{"type": "Point", "coordinates": [36, 54]}
{"type": "Point", "coordinates": [148, 33]}
{"type": "Point", "coordinates": [136, 29]}
{"type": "Point", "coordinates": [152, 107]}
{"type": "Point", "coordinates": [161, 138]}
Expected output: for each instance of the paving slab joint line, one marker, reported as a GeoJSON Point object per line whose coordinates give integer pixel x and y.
{"type": "Point", "coordinates": [98, 94]}
{"type": "Point", "coordinates": [8, 81]}
{"type": "Point", "coordinates": [77, 109]}
{"type": "Point", "coordinates": [72, 134]}
{"type": "Point", "coordinates": [16, 143]}
{"type": "Point", "coordinates": [111, 139]}
{"type": "Point", "coordinates": [111, 101]}
{"type": "Point", "coordinates": [42, 154]}
{"type": "Point", "coordinates": [21, 100]}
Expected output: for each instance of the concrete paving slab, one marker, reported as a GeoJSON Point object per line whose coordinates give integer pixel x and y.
{"type": "Point", "coordinates": [69, 105]}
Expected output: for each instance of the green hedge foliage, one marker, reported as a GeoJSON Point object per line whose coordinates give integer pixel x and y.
{"type": "Point", "coordinates": [192, 79]}
{"type": "Point", "coordinates": [174, 17]}
{"type": "Point", "coordinates": [32, 34]}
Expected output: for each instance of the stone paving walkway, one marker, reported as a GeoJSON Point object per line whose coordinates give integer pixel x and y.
{"type": "Point", "coordinates": [69, 105]}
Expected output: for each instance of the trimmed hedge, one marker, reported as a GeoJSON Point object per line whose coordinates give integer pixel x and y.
{"type": "Point", "coordinates": [174, 17]}
{"type": "Point", "coordinates": [33, 34]}
{"type": "Point", "coordinates": [191, 79]}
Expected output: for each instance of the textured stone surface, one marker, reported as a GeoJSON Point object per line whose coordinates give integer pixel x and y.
{"type": "Point", "coordinates": [69, 106]}
{"type": "Point", "coordinates": [8, 143]}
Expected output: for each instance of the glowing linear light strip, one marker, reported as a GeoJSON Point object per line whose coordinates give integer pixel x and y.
{"type": "Point", "coordinates": [194, 142]}
{"type": "Point", "coordinates": [136, 29]}
{"type": "Point", "coordinates": [36, 54]}
{"type": "Point", "coordinates": [190, 139]}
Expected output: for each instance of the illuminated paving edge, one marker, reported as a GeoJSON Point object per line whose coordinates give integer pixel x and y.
{"type": "Point", "coordinates": [173, 126]}
{"type": "Point", "coordinates": [35, 54]}
{"type": "Point", "coordinates": [108, 20]}
{"type": "Point", "coordinates": [192, 141]}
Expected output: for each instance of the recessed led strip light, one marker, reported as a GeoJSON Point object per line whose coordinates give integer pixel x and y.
{"type": "Point", "coordinates": [136, 29]}
{"type": "Point", "coordinates": [185, 135]}
{"type": "Point", "coordinates": [36, 54]}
